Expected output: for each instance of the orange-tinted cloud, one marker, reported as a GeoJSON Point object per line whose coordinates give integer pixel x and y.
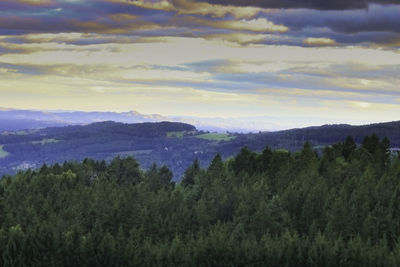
{"type": "Point", "coordinates": [319, 41]}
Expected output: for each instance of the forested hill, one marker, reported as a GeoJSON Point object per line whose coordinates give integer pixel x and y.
{"type": "Point", "coordinates": [173, 144]}
{"type": "Point", "coordinates": [274, 208]}
{"type": "Point", "coordinates": [145, 129]}
{"type": "Point", "coordinates": [320, 136]}
{"type": "Point", "coordinates": [333, 133]}
{"type": "Point", "coordinates": [164, 143]}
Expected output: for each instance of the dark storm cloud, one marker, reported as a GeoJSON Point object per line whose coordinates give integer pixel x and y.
{"type": "Point", "coordinates": [309, 4]}
{"type": "Point", "coordinates": [376, 18]}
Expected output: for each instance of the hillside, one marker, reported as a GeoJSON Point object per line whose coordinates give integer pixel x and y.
{"type": "Point", "coordinates": [320, 136]}
{"type": "Point", "coordinates": [149, 142]}
{"type": "Point", "coordinates": [175, 145]}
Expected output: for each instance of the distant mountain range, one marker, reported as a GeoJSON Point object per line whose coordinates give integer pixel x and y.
{"type": "Point", "coordinates": [14, 119]}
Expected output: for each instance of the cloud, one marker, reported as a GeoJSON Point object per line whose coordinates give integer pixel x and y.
{"type": "Point", "coordinates": [308, 4]}
{"type": "Point", "coordinates": [35, 2]}
{"type": "Point", "coordinates": [183, 56]}
{"type": "Point", "coordinates": [374, 19]}
{"type": "Point", "coordinates": [319, 41]}
{"type": "Point", "coordinates": [256, 25]}
{"type": "Point", "coordinates": [259, 25]}
{"type": "Point", "coordinates": [111, 28]}
{"type": "Point", "coordinates": [191, 7]}
{"type": "Point", "coordinates": [72, 16]}
{"type": "Point", "coordinates": [239, 38]}
{"type": "Point", "coordinates": [361, 104]}
{"type": "Point", "coordinates": [158, 4]}
{"type": "Point", "coordinates": [202, 8]}
{"type": "Point", "coordinates": [17, 3]}
{"type": "Point", "coordinates": [377, 26]}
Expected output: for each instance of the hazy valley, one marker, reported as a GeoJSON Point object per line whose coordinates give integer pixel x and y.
{"type": "Point", "coordinates": [173, 144]}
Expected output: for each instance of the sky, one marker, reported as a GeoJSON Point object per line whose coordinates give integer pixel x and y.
{"type": "Point", "coordinates": [263, 62]}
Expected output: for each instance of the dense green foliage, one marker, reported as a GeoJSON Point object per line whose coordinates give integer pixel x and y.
{"type": "Point", "coordinates": [273, 208]}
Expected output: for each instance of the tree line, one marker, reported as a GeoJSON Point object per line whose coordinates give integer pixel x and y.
{"type": "Point", "coordinates": [274, 208]}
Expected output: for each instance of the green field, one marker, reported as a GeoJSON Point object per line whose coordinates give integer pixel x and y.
{"type": "Point", "coordinates": [216, 137]}
{"type": "Point", "coordinates": [15, 133]}
{"type": "Point", "coordinates": [21, 132]}
{"type": "Point", "coordinates": [45, 141]}
{"type": "Point", "coordinates": [175, 134]}
{"type": "Point", "coordinates": [3, 153]}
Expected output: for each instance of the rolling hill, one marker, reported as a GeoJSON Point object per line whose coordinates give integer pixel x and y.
{"type": "Point", "coordinates": [173, 144]}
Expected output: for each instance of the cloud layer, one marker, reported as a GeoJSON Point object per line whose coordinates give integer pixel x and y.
{"type": "Point", "coordinates": [307, 4]}
{"type": "Point", "coordinates": [204, 58]}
